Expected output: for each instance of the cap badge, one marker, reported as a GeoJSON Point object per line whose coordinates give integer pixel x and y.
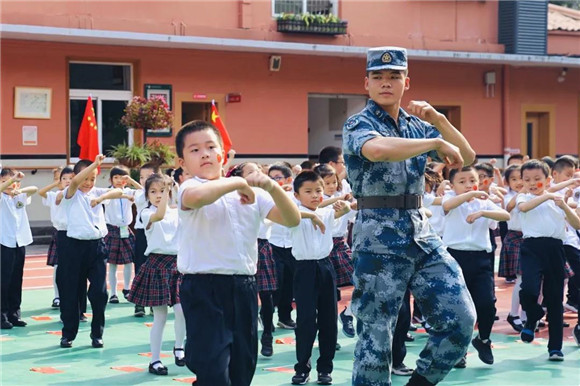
{"type": "Point", "coordinates": [386, 58]}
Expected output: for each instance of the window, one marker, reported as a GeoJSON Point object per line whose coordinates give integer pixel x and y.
{"type": "Point", "coordinates": [323, 7]}
{"type": "Point", "coordinates": [109, 85]}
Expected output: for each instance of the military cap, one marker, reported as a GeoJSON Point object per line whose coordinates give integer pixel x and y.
{"type": "Point", "coordinates": [386, 58]}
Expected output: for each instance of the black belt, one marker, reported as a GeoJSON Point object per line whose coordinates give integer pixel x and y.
{"type": "Point", "coordinates": [403, 201]}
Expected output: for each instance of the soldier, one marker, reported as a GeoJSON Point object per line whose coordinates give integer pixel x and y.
{"type": "Point", "coordinates": [385, 151]}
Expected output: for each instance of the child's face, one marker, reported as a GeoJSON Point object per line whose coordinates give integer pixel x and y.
{"type": "Point", "coordinates": [464, 182]}
{"type": "Point", "coordinates": [202, 155]}
{"type": "Point", "coordinates": [11, 188]}
{"type": "Point", "coordinates": [386, 87]}
{"type": "Point", "coordinates": [155, 193]}
{"type": "Point", "coordinates": [65, 180]}
{"type": "Point", "coordinates": [564, 175]}
{"type": "Point", "coordinates": [534, 181]}
{"type": "Point", "coordinates": [515, 181]}
{"type": "Point", "coordinates": [118, 181]}
{"type": "Point", "coordinates": [484, 181]}
{"type": "Point", "coordinates": [339, 167]}
{"type": "Point", "coordinates": [330, 185]}
{"type": "Point", "coordinates": [250, 168]}
{"type": "Point", "coordinates": [278, 176]}
{"type": "Point", "coordinates": [310, 194]}
{"type": "Point", "coordinates": [144, 174]}
{"type": "Point", "coordinates": [89, 182]}
{"type": "Point", "coordinates": [184, 176]}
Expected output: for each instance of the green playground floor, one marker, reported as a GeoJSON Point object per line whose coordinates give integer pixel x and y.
{"type": "Point", "coordinates": [31, 355]}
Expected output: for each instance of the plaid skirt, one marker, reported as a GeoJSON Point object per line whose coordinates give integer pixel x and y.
{"type": "Point", "coordinates": [266, 276]}
{"type": "Point", "coordinates": [341, 258]}
{"type": "Point", "coordinates": [157, 283]}
{"type": "Point", "coordinates": [121, 251]}
{"type": "Point", "coordinates": [509, 257]}
{"type": "Point", "coordinates": [52, 257]}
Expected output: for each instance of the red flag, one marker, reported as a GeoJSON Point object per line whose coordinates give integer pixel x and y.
{"type": "Point", "coordinates": [217, 122]}
{"type": "Point", "coordinates": [88, 138]}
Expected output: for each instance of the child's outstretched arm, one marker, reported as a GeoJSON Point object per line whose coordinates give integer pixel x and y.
{"type": "Point", "coordinates": [497, 215]}
{"type": "Point", "coordinates": [132, 182]}
{"type": "Point", "coordinates": [454, 202]}
{"type": "Point", "coordinates": [534, 202]}
{"type": "Point", "coordinates": [78, 179]}
{"type": "Point", "coordinates": [340, 208]}
{"type": "Point", "coordinates": [162, 208]}
{"type": "Point", "coordinates": [110, 195]}
{"type": "Point", "coordinates": [29, 191]}
{"type": "Point", "coordinates": [571, 215]}
{"type": "Point", "coordinates": [511, 204]}
{"type": "Point", "coordinates": [15, 178]}
{"type": "Point", "coordinates": [207, 193]}
{"type": "Point", "coordinates": [316, 221]}
{"type": "Point", "coordinates": [286, 211]}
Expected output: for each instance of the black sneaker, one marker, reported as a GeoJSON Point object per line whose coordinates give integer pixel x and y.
{"type": "Point", "coordinates": [55, 303]}
{"type": "Point", "coordinates": [324, 379]}
{"type": "Point", "coordinates": [300, 378]}
{"type": "Point", "coordinates": [139, 311]}
{"type": "Point", "coordinates": [6, 325]}
{"type": "Point", "coordinates": [267, 349]}
{"type": "Point", "coordinates": [114, 299]}
{"type": "Point", "coordinates": [462, 363]}
{"type": "Point", "coordinates": [555, 356]}
{"type": "Point", "coordinates": [65, 343]}
{"type": "Point", "coordinates": [347, 326]}
{"type": "Point", "coordinates": [576, 333]}
{"type": "Point", "coordinates": [409, 338]}
{"type": "Point", "coordinates": [18, 322]}
{"type": "Point", "coordinates": [83, 318]}
{"type": "Point", "coordinates": [126, 293]}
{"type": "Point", "coordinates": [512, 320]}
{"type": "Point", "coordinates": [338, 346]}
{"type": "Point", "coordinates": [484, 350]}
{"type": "Point", "coordinates": [565, 324]}
{"type": "Point", "coordinates": [402, 370]}
{"type": "Point", "coordinates": [541, 323]}
{"type": "Point", "coordinates": [287, 324]}
{"type": "Point", "coordinates": [96, 342]}
{"type": "Point", "coordinates": [412, 327]}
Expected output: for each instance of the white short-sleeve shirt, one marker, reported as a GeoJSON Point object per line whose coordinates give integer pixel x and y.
{"type": "Point", "coordinates": [309, 243]}
{"type": "Point", "coordinates": [162, 236]}
{"type": "Point", "coordinates": [84, 222]}
{"type": "Point", "coordinates": [545, 220]}
{"type": "Point", "coordinates": [57, 212]}
{"type": "Point", "coordinates": [571, 235]}
{"type": "Point", "coordinates": [279, 234]}
{"type": "Point", "coordinates": [461, 235]}
{"type": "Point", "coordinates": [140, 204]}
{"type": "Point", "coordinates": [14, 225]}
{"type": "Point", "coordinates": [341, 230]}
{"type": "Point", "coordinates": [515, 222]}
{"type": "Point", "coordinates": [265, 230]}
{"type": "Point", "coordinates": [120, 212]}
{"type": "Point", "coordinates": [437, 219]}
{"type": "Point", "coordinates": [222, 237]}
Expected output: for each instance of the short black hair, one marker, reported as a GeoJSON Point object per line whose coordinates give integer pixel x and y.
{"type": "Point", "coordinates": [237, 170]}
{"type": "Point", "coordinates": [329, 154]}
{"type": "Point", "coordinates": [65, 171]}
{"type": "Point", "coordinates": [7, 172]}
{"type": "Point", "coordinates": [82, 164]}
{"type": "Point", "coordinates": [515, 156]}
{"type": "Point", "coordinates": [151, 166]}
{"type": "Point", "coordinates": [485, 167]}
{"type": "Point", "coordinates": [306, 176]}
{"type": "Point", "coordinates": [565, 161]}
{"type": "Point", "coordinates": [536, 164]}
{"type": "Point", "coordinates": [307, 165]}
{"type": "Point", "coordinates": [193, 127]}
{"type": "Point", "coordinates": [453, 172]}
{"type": "Point", "coordinates": [432, 178]}
{"type": "Point", "coordinates": [548, 161]}
{"type": "Point", "coordinates": [510, 170]}
{"type": "Point", "coordinates": [118, 170]}
{"type": "Point", "coordinates": [176, 174]}
{"type": "Point", "coordinates": [325, 170]}
{"type": "Point", "coordinates": [281, 167]}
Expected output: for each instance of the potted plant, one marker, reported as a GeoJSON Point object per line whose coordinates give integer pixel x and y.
{"type": "Point", "coordinates": [160, 153]}
{"type": "Point", "coordinates": [131, 156]}
{"type": "Point", "coordinates": [311, 23]}
{"type": "Point", "coordinates": [147, 114]}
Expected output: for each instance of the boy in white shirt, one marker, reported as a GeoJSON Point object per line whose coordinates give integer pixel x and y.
{"type": "Point", "coordinates": [469, 216]}
{"type": "Point", "coordinates": [120, 240]}
{"type": "Point", "coordinates": [15, 235]}
{"type": "Point", "coordinates": [543, 219]}
{"type": "Point", "coordinates": [315, 278]}
{"type": "Point", "coordinates": [85, 254]}
{"type": "Point", "coordinates": [219, 223]}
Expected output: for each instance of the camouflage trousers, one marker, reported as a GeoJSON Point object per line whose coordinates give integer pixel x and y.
{"type": "Point", "coordinates": [436, 282]}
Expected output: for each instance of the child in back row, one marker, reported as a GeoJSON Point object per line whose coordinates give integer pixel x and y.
{"type": "Point", "coordinates": [157, 283]}
{"type": "Point", "coordinates": [543, 218]}
{"type": "Point", "coordinates": [219, 223]}
{"type": "Point", "coordinates": [15, 235]}
{"type": "Point", "coordinates": [315, 278]}
{"type": "Point", "coordinates": [470, 215]}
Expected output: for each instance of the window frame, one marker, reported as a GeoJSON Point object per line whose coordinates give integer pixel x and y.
{"type": "Point", "coordinates": [305, 7]}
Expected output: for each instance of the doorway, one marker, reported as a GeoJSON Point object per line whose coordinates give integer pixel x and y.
{"type": "Point", "coordinates": [538, 131]}
{"type": "Point", "coordinates": [191, 111]}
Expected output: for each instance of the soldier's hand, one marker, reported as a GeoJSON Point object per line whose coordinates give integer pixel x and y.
{"type": "Point", "coordinates": [424, 111]}
{"type": "Point", "coordinates": [449, 154]}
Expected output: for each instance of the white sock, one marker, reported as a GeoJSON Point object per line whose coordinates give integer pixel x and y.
{"type": "Point", "coordinates": [515, 309]}
{"type": "Point", "coordinates": [348, 311]}
{"type": "Point", "coordinates": [56, 295]}
{"type": "Point", "coordinates": [179, 326]}
{"type": "Point", "coordinates": [156, 334]}
{"type": "Point", "coordinates": [127, 271]}
{"type": "Point", "coordinates": [113, 279]}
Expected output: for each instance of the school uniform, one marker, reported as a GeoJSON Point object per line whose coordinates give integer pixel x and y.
{"type": "Point", "coordinates": [437, 219]}
{"type": "Point", "coordinates": [120, 240]}
{"type": "Point", "coordinates": [573, 258]}
{"type": "Point", "coordinates": [470, 246]}
{"type": "Point", "coordinates": [15, 235]}
{"type": "Point", "coordinates": [542, 256]}
{"type": "Point", "coordinates": [281, 243]}
{"type": "Point", "coordinates": [509, 260]}
{"type": "Point", "coordinates": [218, 256]}
{"type": "Point", "coordinates": [140, 238]}
{"type": "Point", "coordinates": [158, 281]}
{"type": "Point", "coordinates": [84, 258]}
{"type": "Point", "coordinates": [267, 280]}
{"type": "Point", "coordinates": [314, 291]}
{"type": "Point", "coordinates": [341, 255]}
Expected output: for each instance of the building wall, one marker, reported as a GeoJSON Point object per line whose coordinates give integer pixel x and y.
{"type": "Point", "coordinates": [564, 43]}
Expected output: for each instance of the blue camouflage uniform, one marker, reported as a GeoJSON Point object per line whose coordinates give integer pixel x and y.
{"type": "Point", "coordinates": [397, 248]}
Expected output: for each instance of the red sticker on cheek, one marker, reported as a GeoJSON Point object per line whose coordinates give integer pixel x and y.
{"type": "Point", "coordinates": [281, 183]}
{"type": "Point", "coordinates": [219, 158]}
{"type": "Point", "coordinates": [320, 199]}
{"type": "Point", "coordinates": [540, 185]}
{"type": "Point", "coordinates": [485, 182]}
{"type": "Point", "coordinates": [474, 187]}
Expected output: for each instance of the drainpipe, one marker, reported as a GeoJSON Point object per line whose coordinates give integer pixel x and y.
{"type": "Point", "coordinates": [505, 79]}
